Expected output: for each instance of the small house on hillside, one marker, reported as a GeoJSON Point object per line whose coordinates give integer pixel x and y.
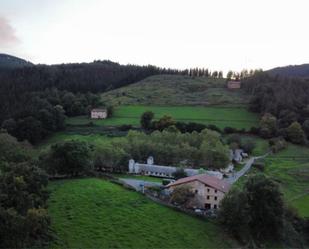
{"type": "Point", "coordinates": [208, 190]}
{"type": "Point", "coordinates": [99, 113]}
{"type": "Point", "coordinates": [234, 84]}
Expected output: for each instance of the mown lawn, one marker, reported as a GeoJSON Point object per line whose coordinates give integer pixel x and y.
{"type": "Point", "coordinates": [93, 213]}
{"type": "Point", "coordinates": [237, 117]}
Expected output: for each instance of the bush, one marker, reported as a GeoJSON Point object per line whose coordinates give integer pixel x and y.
{"type": "Point", "coordinates": [125, 127]}
{"type": "Point", "coordinates": [229, 130]}
{"type": "Point", "coordinates": [234, 138]}
{"type": "Point", "coordinates": [214, 128]}
{"type": "Point", "coordinates": [260, 165]}
{"type": "Point", "coordinates": [248, 145]}
{"type": "Point", "coordinates": [277, 144]}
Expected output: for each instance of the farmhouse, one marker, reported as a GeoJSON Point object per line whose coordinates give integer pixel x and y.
{"type": "Point", "coordinates": [99, 113]}
{"type": "Point", "coordinates": [208, 190]}
{"type": "Point", "coordinates": [164, 171]}
{"type": "Point", "coordinates": [233, 84]}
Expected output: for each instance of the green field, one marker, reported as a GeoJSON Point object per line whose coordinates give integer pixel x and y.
{"type": "Point", "coordinates": [95, 139]}
{"type": "Point", "coordinates": [173, 90]}
{"type": "Point", "coordinates": [237, 117]}
{"type": "Point", "coordinates": [290, 168]}
{"type": "Point", "coordinates": [93, 213]}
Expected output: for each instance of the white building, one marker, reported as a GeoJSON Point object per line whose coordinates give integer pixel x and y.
{"type": "Point", "coordinates": [151, 169]}
{"type": "Point", "coordinates": [98, 113]}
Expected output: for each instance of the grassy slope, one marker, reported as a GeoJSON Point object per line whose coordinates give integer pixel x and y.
{"type": "Point", "coordinates": [176, 90]}
{"type": "Point", "coordinates": [92, 213]}
{"type": "Point", "coordinates": [290, 168]}
{"type": "Point", "coordinates": [237, 117]}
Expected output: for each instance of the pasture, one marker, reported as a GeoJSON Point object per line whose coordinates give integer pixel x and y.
{"type": "Point", "coordinates": [290, 169]}
{"type": "Point", "coordinates": [237, 117]}
{"type": "Point", "coordinates": [171, 90]}
{"type": "Point", "coordinates": [94, 213]}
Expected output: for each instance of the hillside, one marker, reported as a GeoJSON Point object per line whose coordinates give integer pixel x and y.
{"type": "Point", "coordinates": [292, 71]}
{"type": "Point", "coordinates": [9, 61]}
{"type": "Point", "coordinates": [93, 213]}
{"type": "Point", "coordinates": [177, 90]}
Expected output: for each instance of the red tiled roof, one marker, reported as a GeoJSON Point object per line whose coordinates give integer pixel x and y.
{"type": "Point", "coordinates": [211, 181]}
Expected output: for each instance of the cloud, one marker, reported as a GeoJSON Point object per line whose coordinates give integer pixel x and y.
{"type": "Point", "coordinates": [8, 37]}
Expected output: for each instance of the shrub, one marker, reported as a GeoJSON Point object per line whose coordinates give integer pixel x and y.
{"type": "Point", "coordinates": [229, 130]}
{"type": "Point", "coordinates": [248, 145]}
{"type": "Point", "coordinates": [277, 144]}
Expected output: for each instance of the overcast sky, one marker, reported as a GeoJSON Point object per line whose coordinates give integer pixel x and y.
{"type": "Point", "coordinates": [218, 34]}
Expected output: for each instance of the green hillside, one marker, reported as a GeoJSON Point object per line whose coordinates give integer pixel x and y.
{"type": "Point", "coordinates": [93, 213]}
{"type": "Point", "coordinates": [177, 90]}
{"type": "Point", "coordinates": [290, 169]}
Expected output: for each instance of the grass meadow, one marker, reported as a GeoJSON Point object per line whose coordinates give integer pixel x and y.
{"type": "Point", "coordinates": [167, 90]}
{"type": "Point", "coordinates": [237, 117]}
{"type": "Point", "coordinates": [93, 213]}
{"type": "Point", "coordinates": [290, 169]}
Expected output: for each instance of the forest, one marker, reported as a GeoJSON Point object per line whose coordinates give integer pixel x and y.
{"type": "Point", "coordinates": [285, 101]}
{"type": "Point", "coordinates": [35, 99]}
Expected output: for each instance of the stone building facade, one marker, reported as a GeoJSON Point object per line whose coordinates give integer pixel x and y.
{"type": "Point", "coordinates": [208, 190]}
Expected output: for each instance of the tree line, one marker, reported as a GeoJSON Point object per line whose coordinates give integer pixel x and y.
{"type": "Point", "coordinates": [37, 114]}
{"type": "Point", "coordinates": [24, 221]}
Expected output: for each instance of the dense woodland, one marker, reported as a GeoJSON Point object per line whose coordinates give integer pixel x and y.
{"type": "Point", "coordinates": [35, 99]}
{"type": "Point", "coordinates": [285, 101]}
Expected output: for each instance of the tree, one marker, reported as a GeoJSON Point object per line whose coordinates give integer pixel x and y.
{"type": "Point", "coordinates": [179, 173]}
{"type": "Point", "coordinates": [23, 216]}
{"type": "Point", "coordinates": [11, 150]}
{"type": "Point", "coordinates": [266, 207]}
{"type": "Point", "coordinates": [214, 154]}
{"type": "Point", "coordinates": [181, 195]}
{"type": "Point", "coordinates": [146, 119]}
{"type": "Point", "coordinates": [256, 212]}
{"type": "Point", "coordinates": [306, 127]}
{"type": "Point", "coordinates": [9, 125]}
{"type": "Point", "coordinates": [164, 122]}
{"type": "Point", "coordinates": [70, 158]}
{"type": "Point", "coordinates": [295, 133]}
{"type": "Point", "coordinates": [248, 145]}
{"type": "Point", "coordinates": [268, 125]}
{"type": "Point", "coordinates": [29, 129]}
{"type": "Point", "coordinates": [233, 214]}
{"type": "Point", "coordinates": [110, 158]}
{"type": "Point", "coordinates": [229, 75]}
{"type": "Point", "coordinates": [234, 138]}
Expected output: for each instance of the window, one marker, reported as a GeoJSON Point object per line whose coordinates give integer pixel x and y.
{"type": "Point", "coordinates": [216, 191]}
{"type": "Point", "coordinates": [207, 206]}
{"type": "Point", "coordinates": [208, 190]}
{"type": "Point", "coordinates": [215, 206]}
{"type": "Point", "coordinates": [216, 198]}
{"type": "Point", "coordinates": [208, 197]}
{"type": "Point", "coordinates": [196, 191]}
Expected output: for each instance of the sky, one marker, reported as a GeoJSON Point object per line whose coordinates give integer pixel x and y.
{"type": "Point", "coordinates": [215, 34]}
